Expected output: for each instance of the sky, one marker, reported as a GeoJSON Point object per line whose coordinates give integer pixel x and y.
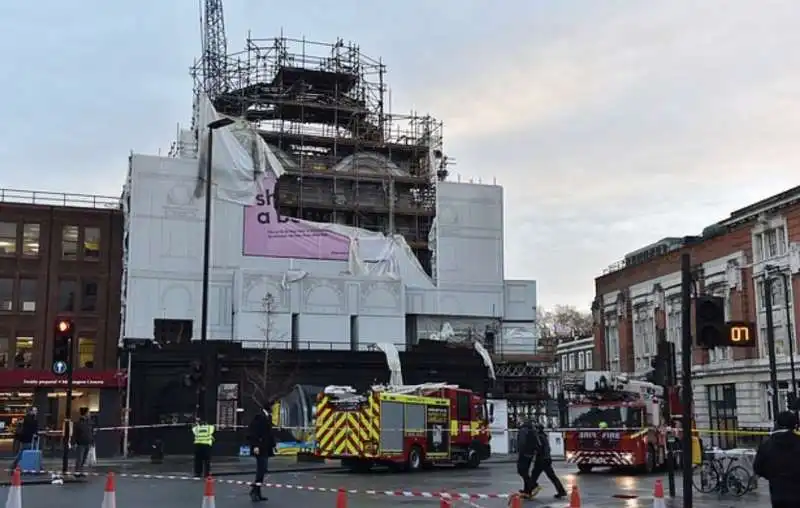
{"type": "Point", "coordinates": [610, 124]}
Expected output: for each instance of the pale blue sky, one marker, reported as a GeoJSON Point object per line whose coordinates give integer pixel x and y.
{"type": "Point", "coordinates": [610, 123]}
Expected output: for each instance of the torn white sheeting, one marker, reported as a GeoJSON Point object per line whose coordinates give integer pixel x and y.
{"type": "Point", "coordinates": [239, 159]}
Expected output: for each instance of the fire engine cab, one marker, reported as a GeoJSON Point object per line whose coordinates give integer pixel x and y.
{"type": "Point", "coordinates": [614, 422]}
{"type": "Point", "coordinates": [406, 427]}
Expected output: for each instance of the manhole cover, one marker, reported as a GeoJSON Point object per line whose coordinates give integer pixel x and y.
{"type": "Point", "coordinates": [625, 496]}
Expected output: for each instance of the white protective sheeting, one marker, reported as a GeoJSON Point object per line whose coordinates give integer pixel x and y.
{"type": "Point", "coordinates": [239, 159]}
{"type": "Point", "coordinates": [392, 361]}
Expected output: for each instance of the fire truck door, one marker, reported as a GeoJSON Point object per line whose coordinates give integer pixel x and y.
{"type": "Point", "coordinates": [438, 434]}
{"type": "Point", "coordinates": [460, 425]}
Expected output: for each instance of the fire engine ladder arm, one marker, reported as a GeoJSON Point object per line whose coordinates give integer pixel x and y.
{"type": "Point", "coordinates": [393, 361]}
{"type": "Point", "coordinates": [414, 389]}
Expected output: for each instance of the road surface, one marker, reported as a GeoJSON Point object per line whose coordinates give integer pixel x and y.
{"type": "Point", "coordinates": [319, 489]}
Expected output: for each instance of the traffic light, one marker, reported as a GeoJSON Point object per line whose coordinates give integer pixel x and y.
{"type": "Point", "coordinates": [663, 364]}
{"type": "Point", "coordinates": [62, 345]}
{"type": "Point", "coordinates": [710, 327]}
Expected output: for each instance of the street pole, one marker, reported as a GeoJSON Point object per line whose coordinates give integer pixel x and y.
{"type": "Point", "coordinates": [68, 409]}
{"type": "Point", "coordinates": [789, 335]}
{"type": "Point", "coordinates": [201, 392]}
{"type": "Point", "coordinates": [686, 378]}
{"type": "Point", "coordinates": [201, 403]}
{"type": "Point", "coordinates": [773, 368]}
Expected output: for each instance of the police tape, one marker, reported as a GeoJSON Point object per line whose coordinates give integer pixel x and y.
{"type": "Point", "coordinates": [287, 486]}
{"type": "Point", "coordinates": [462, 428]}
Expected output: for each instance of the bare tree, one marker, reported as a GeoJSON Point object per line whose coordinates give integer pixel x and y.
{"type": "Point", "coordinates": [563, 321]}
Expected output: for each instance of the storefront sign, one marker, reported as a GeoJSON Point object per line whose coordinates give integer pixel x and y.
{"type": "Point", "coordinates": [23, 378]}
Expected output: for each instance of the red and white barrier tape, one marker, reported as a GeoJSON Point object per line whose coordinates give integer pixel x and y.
{"type": "Point", "coordinates": [306, 488]}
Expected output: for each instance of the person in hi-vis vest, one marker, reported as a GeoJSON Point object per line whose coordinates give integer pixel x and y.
{"type": "Point", "coordinates": [203, 440]}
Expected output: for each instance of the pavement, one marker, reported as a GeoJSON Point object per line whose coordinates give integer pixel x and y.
{"type": "Point", "coordinates": [489, 487]}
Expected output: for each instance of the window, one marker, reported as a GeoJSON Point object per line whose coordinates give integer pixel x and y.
{"type": "Point", "coordinates": [3, 351]}
{"type": "Point", "coordinates": [564, 363]}
{"type": "Point", "coordinates": [66, 295]}
{"type": "Point", "coordinates": [581, 365]}
{"type": "Point", "coordinates": [23, 358]}
{"type": "Point", "coordinates": [86, 350]}
{"type": "Point", "coordinates": [778, 294]}
{"type": "Point", "coordinates": [8, 238]}
{"type": "Point", "coordinates": [571, 362]}
{"type": "Point", "coordinates": [91, 244]}
{"type": "Point", "coordinates": [770, 242]}
{"type": "Point", "coordinates": [27, 295]}
{"type": "Point", "coordinates": [89, 296]}
{"type": "Point", "coordinates": [69, 242]}
{"type": "Point", "coordinates": [722, 414]}
{"type": "Point", "coordinates": [720, 354]}
{"type": "Point", "coordinates": [589, 364]}
{"type": "Point", "coordinates": [6, 295]}
{"type": "Point", "coordinates": [30, 240]}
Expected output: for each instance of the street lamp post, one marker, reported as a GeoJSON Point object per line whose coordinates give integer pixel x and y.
{"type": "Point", "coordinates": [789, 335]}
{"type": "Point", "coordinates": [201, 402]}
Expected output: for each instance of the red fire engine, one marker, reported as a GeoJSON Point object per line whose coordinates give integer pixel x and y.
{"type": "Point", "coordinates": [402, 426]}
{"type": "Point", "coordinates": [615, 422]}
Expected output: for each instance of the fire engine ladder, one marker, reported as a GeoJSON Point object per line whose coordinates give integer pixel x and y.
{"type": "Point", "coordinates": [419, 389]}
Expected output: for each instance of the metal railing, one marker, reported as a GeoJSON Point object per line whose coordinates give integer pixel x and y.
{"type": "Point", "coordinates": [317, 345]}
{"type": "Point", "coordinates": [44, 198]}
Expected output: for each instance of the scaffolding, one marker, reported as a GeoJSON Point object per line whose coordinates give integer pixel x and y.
{"type": "Point", "coordinates": [323, 108]}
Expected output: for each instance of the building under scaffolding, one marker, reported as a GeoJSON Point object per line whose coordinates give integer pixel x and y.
{"type": "Point", "coordinates": [323, 109]}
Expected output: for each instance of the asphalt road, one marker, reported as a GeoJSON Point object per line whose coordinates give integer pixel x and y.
{"type": "Point", "coordinates": [367, 490]}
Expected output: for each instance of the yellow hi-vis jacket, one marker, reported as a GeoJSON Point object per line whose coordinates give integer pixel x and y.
{"type": "Point", "coordinates": [203, 434]}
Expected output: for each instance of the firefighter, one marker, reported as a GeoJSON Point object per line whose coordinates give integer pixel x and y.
{"type": "Point", "coordinates": [203, 440]}
{"type": "Point", "coordinates": [527, 448]}
{"type": "Point", "coordinates": [544, 464]}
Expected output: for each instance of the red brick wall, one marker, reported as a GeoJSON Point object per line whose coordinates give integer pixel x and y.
{"type": "Point", "coordinates": [743, 301]}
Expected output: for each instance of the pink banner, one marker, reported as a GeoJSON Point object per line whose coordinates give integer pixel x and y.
{"type": "Point", "coordinates": [269, 235]}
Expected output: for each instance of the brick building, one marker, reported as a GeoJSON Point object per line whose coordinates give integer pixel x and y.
{"type": "Point", "coordinates": [60, 255]}
{"type": "Point", "coordinates": [638, 300]}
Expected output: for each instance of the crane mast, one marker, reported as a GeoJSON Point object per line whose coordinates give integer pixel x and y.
{"type": "Point", "coordinates": [215, 48]}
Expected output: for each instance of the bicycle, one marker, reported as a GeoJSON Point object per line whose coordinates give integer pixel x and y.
{"type": "Point", "coordinates": [716, 476]}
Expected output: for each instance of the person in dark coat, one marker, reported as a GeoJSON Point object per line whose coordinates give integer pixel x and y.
{"type": "Point", "coordinates": [82, 438]}
{"type": "Point", "coordinates": [262, 444]}
{"type": "Point", "coordinates": [544, 463]}
{"type": "Point", "coordinates": [527, 448]}
{"type": "Point", "coordinates": [777, 462]}
{"type": "Point", "coordinates": [24, 435]}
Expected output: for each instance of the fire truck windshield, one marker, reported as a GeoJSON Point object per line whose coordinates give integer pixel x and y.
{"type": "Point", "coordinates": [605, 415]}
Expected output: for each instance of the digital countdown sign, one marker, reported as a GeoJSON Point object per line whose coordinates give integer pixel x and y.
{"type": "Point", "coordinates": [740, 334]}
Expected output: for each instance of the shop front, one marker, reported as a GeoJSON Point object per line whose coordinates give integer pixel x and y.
{"type": "Point", "coordinates": [99, 391]}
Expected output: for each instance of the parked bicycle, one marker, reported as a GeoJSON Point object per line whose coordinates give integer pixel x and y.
{"type": "Point", "coordinates": [723, 475]}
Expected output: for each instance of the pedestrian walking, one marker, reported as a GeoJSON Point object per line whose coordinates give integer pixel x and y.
{"type": "Point", "coordinates": [203, 441]}
{"type": "Point", "coordinates": [527, 448]}
{"type": "Point", "coordinates": [544, 463]}
{"type": "Point", "coordinates": [776, 461]}
{"type": "Point", "coordinates": [262, 444]}
{"type": "Point", "coordinates": [24, 435]}
{"type": "Point", "coordinates": [83, 439]}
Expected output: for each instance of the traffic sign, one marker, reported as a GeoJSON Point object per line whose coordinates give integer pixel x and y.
{"type": "Point", "coordinates": [59, 368]}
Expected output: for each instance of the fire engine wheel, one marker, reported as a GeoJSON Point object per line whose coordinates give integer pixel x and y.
{"type": "Point", "coordinates": [584, 468]}
{"type": "Point", "coordinates": [473, 458]}
{"type": "Point", "coordinates": [415, 460]}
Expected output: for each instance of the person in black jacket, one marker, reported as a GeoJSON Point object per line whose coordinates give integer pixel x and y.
{"type": "Point", "coordinates": [544, 463]}
{"type": "Point", "coordinates": [262, 444]}
{"type": "Point", "coordinates": [82, 438]}
{"type": "Point", "coordinates": [527, 448]}
{"type": "Point", "coordinates": [777, 462]}
{"type": "Point", "coordinates": [24, 435]}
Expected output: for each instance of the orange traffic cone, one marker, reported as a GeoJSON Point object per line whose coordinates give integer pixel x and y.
{"type": "Point", "coordinates": [444, 500]}
{"type": "Point", "coordinates": [208, 494]}
{"type": "Point", "coordinates": [15, 492]}
{"type": "Point", "coordinates": [515, 501]}
{"type": "Point", "coordinates": [110, 493]}
{"type": "Point", "coordinates": [575, 498]}
{"type": "Point", "coordinates": [658, 495]}
{"type": "Point", "coordinates": [341, 499]}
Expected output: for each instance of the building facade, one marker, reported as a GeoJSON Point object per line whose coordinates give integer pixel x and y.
{"type": "Point", "coordinates": [639, 300]}
{"type": "Point", "coordinates": [60, 256]}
